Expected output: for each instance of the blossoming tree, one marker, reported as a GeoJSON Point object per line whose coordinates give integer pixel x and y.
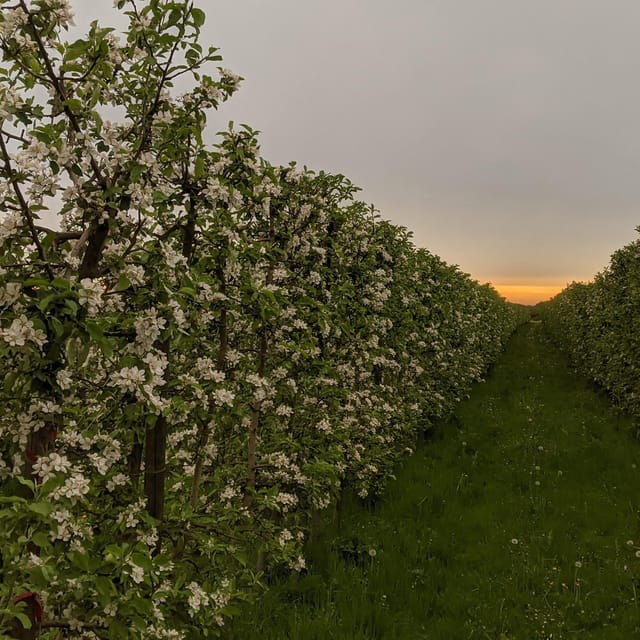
{"type": "Point", "coordinates": [204, 350]}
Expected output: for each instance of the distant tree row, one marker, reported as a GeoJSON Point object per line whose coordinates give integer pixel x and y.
{"type": "Point", "coordinates": [599, 325]}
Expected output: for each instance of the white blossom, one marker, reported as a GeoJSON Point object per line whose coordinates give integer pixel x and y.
{"type": "Point", "coordinates": [21, 331]}
{"type": "Point", "coordinates": [137, 573]}
{"type": "Point", "coordinates": [73, 488]}
{"type": "Point", "coordinates": [128, 378]}
{"type": "Point", "coordinates": [9, 292]}
{"type": "Point", "coordinates": [284, 537]}
{"type": "Point", "coordinates": [149, 325]}
{"type": "Point", "coordinates": [298, 564]}
{"type": "Point", "coordinates": [197, 597]}
{"type": "Point", "coordinates": [90, 295]}
{"type": "Point", "coordinates": [117, 480]}
{"type": "Point", "coordinates": [48, 466]}
{"type": "Point", "coordinates": [223, 397]}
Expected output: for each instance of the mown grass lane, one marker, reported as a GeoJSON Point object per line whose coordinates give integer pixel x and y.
{"type": "Point", "coordinates": [516, 520]}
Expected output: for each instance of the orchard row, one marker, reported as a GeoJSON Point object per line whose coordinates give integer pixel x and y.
{"type": "Point", "coordinates": [210, 349]}
{"type": "Point", "coordinates": [599, 325]}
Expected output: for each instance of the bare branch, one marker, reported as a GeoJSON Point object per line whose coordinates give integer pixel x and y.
{"type": "Point", "coordinates": [13, 136]}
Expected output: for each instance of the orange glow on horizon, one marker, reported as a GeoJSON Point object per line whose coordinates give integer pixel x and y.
{"type": "Point", "coordinates": [527, 293]}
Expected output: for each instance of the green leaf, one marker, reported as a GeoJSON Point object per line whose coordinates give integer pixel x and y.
{"type": "Point", "coordinates": [143, 561]}
{"type": "Point", "coordinates": [41, 539]}
{"type": "Point", "coordinates": [35, 282]}
{"type": "Point", "coordinates": [117, 629]}
{"type": "Point", "coordinates": [57, 326]}
{"type": "Point", "coordinates": [33, 64]}
{"type": "Point", "coordinates": [79, 560]}
{"type": "Point", "coordinates": [46, 301]}
{"type": "Point", "coordinates": [26, 482]}
{"type": "Point", "coordinates": [141, 606]}
{"type": "Point", "coordinates": [72, 306]}
{"type": "Point", "coordinates": [174, 17]}
{"type": "Point", "coordinates": [132, 411]}
{"type": "Point", "coordinates": [24, 620]}
{"type": "Point", "coordinates": [95, 331]}
{"type": "Point", "coordinates": [83, 354]}
{"type": "Point", "coordinates": [41, 508]}
{"type": "Point", "coordinates": [122, 284]}
{"type": "Point", "coordinates": [198, 17]}
{"type": "Point", "coordinates": [136, 172]}
{"type": "Point", "coordinates": [61, 283]}
{"type": "Point", "coordinates": [104, 586]}
{"type": "Point", "coordinates": [199, 169]}
{"type": "Point", "coordinates": [73, 104]}
{"type": "Point", "coordinates": [76, 49]}
{"type": "Point", "coordinates": [9, 381]}
{"type": "Point", "coordinates": [8, 514]}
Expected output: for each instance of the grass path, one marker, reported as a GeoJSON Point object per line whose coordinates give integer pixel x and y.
{"type": "Point", "coordinates": [517, 520]}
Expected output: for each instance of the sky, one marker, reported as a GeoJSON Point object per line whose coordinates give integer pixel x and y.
{"type": "Point", "coordinates": [503, 133]}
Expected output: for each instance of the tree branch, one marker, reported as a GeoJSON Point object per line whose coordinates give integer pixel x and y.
{"type": "Point", "coordinates": [24, 207]}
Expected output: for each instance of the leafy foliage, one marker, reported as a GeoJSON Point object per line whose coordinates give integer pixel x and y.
{"type": "Point", "coordinates": [599, 325]}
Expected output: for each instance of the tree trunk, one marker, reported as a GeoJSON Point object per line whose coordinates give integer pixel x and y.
{"type": "Point", "coordinates": [155, 467]}
{"type": "Point", "coordinates": [203, 431]}
{"type": "Point", "coordinates": [254, 429]}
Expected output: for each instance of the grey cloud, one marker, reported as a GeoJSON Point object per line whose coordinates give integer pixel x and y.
{"type": "Point", "coordinates": [502, 132]}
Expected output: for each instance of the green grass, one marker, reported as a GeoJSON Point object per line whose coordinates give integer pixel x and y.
{"type": "Point", "coordinates": [512, 521]}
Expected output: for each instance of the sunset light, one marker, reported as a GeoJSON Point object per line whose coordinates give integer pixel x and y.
{"type": "Point", "coordinates": [527, 293]}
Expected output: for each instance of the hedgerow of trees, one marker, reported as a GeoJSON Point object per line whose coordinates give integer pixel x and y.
{"type": "Point", "coordinates": [599, 325]}
{"type": "Point", "coordinates": [205, 351]}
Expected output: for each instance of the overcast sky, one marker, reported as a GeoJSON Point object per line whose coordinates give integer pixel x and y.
{"type": "Point", "coordinates": [503, 133]}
